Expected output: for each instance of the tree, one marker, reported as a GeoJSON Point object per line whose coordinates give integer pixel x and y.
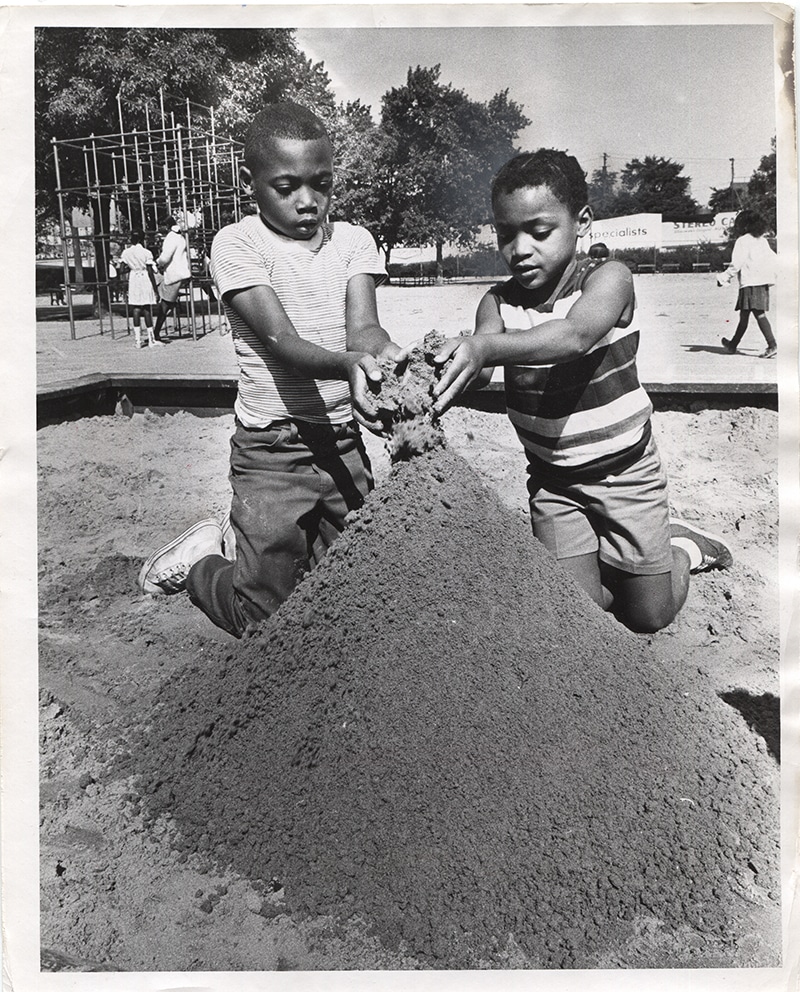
{"type": "Point", "coordinates": [759, 194]}
{"type": "Point", "coordinates": [603, 193]}
{"type": "Point", "coordinates": [80, 71]}
{"type": "Point", "coordinates": [359, 150]}
{"type": "Point", "coordinates": [728, 198]}
{"type": "Point", "coordinates": [434, 163]}
{"type": "Point", "coordinates": [655, 185]}
{"type": "Point", "coordinates": [762, 189]}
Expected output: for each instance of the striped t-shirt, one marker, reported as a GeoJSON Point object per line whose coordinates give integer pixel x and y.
{"type": "Point", "coordinates": [584, 415]}
{"type": "Point", "coordinates": [311, 285]}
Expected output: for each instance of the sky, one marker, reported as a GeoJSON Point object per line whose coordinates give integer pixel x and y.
{"type": "Point", "coordinates": [697, 94]}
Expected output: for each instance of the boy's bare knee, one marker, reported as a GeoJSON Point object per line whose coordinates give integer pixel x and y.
{"type": "Point", "coordinates": [649, 620]}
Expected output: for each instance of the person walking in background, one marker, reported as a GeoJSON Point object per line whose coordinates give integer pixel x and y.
{"type": "Point", "coordinates": [755, 263]}
{"type": "Point", "coordinates": [142, 286]}
{"type": "Point", "coordinates": [174, 264]}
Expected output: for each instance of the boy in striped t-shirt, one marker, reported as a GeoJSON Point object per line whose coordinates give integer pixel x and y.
{"type": "Point", "coordinates": [567, 333]}
{"type": "Point", "coordinates": [299, 293]}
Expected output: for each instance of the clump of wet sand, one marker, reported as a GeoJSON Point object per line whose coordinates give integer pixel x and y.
{"type": "Point", "coordinates": [405, 401]}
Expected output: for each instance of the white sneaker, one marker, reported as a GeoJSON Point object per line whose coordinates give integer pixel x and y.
{"type": "Point", "coordinates": [165, 571]}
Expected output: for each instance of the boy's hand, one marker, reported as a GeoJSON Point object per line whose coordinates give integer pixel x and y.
{"type": "Point", "coordinates": [364, 377]}
{"type": "Point", "coordinates": [392, 351]}
{"type": "Point", "coordinates": [459, 363]}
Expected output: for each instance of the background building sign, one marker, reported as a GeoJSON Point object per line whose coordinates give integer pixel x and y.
{"type": "Point", "coordinates": [652, 231]}
{"type": "Point", "coordinates": [634, 231]}
{"type": "Point", "coordinates": [712, 230]}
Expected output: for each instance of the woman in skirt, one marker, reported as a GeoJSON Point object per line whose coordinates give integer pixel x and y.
{"type": "Point", "coordinates": [755, 264]}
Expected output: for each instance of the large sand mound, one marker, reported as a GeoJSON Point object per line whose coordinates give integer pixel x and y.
{"type": "Point", "coordinates": [460, 749]}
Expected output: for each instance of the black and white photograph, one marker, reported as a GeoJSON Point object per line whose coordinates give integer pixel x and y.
{"type": "Point", "coordinates": [330, 645]}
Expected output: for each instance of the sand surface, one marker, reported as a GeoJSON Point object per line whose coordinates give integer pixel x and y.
{"type": "Point", "coordinates": [204, 808]}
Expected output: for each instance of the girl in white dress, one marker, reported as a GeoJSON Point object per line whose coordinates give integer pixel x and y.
{"type": "Point", "coordinates": [142, 286]}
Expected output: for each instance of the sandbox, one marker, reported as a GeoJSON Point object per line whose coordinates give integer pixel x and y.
{"type": "Point", "coordinates": [431, 792]}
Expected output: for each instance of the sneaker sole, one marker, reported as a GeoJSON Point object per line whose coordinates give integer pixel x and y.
{"type": "Point", "coordinates": [694, 529]}
{"type": "Point", "coordinates": [142, 579]}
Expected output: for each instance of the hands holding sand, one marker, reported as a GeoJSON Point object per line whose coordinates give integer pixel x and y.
{"type": "Point", "coordinates": [423, 378]}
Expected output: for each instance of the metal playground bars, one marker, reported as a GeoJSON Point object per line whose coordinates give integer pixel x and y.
{"type": "Point", "coordinates": [133, 180]}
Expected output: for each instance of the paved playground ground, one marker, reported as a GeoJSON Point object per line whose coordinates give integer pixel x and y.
{"type": "Point", "coordinates": [683, 318]}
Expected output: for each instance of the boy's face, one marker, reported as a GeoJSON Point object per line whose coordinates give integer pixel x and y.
{"type": "Point", "coordinates": [537, 235]}
{"type": "Point", "coordinates": [293, 186]}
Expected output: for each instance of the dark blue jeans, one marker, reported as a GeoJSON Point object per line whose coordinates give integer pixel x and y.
{"type": "Point", "coordinates": [293, 484]}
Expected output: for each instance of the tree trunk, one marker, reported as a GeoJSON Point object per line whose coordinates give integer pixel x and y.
{"type": "Point", "coordinates": [439, 264]}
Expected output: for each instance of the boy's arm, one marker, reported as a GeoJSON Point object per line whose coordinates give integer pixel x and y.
{"type": "Point", "coordinates": [364, 331]}
{"type": "Point", "coordinates": [263, 313]}
{"type": "Point", "coordinates": [607, 293]}
{"type": "Point", "coordinates": [366, 337]}
{"type": "Point", "coordinates": [469, 376]}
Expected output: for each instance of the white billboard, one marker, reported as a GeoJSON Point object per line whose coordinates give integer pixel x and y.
{"type": "Point", "coordinates": [633, 231]}
{"type": "Point", "coordinates": [703, 231]}
{"type": "Point", "coordinates": [650, 231]}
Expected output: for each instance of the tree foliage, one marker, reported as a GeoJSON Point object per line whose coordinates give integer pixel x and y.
{"type": "Point", "coordinates": [655, 185]}
{"type": "Point", "coordinates": [435, 157]}
{"type": "Point", "coordinates": [726, 199]}
{"type": "Point", "coordinates": [648, 185]}
{"type": "Point", "coordinates": [762, 190]}
{"type": "Point", "coordinates": [603, 193]}
{"type": "Point", "coordinates": [80, 71]}
{"type": "Point", "coordinates": [760, 194]}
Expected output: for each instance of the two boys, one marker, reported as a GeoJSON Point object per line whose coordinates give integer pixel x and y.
{"type": "Point", "coordinates": [300, 297]}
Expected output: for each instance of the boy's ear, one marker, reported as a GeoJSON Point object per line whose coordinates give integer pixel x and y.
{"type": "Point", "coordinates": [585, 217]}
{"type": "Point", "coordinates": [246, 179]}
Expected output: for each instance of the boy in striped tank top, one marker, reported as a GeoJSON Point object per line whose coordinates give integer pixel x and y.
{"type": "Point", "coordinates": [299, 293]}
{"type": "Point", "coordinates": [566, 332]}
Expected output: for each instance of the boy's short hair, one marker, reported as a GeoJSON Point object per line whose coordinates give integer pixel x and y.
{"type": "Point", "coordinates": [559, 172]}
{"type": "Point", "coordinates": [599, 250]}
{"type": "Point", "coordinates": [280, 120]}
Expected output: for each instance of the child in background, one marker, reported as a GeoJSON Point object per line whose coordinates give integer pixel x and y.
{"type": "Point", "coordinates": [142, 286]}
{"type": "Point", "coordinates": [173, 262]}
{"type": "Point", "coordinates": [755, 264]}
{"type": "Point", "coordinates": [599, 250]}
{"type": "Point", "coordinates": [299, 293]}
{"type": "Point", "coordinates": [566, 332]}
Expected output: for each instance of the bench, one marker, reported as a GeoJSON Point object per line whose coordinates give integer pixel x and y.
{"type": "Point", "coordinates": [701, 267]}
{"type": "Point", "coordinates": [647, 268]}
{"type": "Point", "coordinates": [670, 267]}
